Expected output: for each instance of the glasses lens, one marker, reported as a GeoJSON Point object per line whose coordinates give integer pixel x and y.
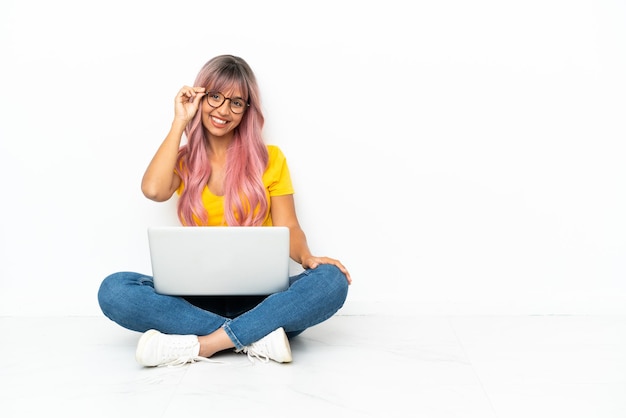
{"type": "Point", "coordinates": [237, 105]}
{"type": "Point", "coordinates": [215, 99]}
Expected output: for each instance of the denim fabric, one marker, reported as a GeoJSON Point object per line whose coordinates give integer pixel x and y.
{"type": "Point", "coordinates": [313, 296]}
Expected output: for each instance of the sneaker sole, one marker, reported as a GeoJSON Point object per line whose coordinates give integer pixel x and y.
{"type": "Point", "coordinates": [141, 344]}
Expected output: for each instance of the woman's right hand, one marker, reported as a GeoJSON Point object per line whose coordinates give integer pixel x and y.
{"type": "Point", "coordinates": [187, 102]}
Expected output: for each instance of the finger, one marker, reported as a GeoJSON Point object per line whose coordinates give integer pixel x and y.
{"type": "Point", "coordinates": [185, 90]}
{"type": "Point", "coordinates": [190, 92]}
{"type": "Point", "coordinates": [183, 94]}
{"type": "Point", "coordinates": [338, 264]}
{"type": "Point", "coordinates": [198, 96]}
{"type": "Point", "coordinates": [346, 272]}
{"type": "Point", "coordinates": [193, 91]}
{"type": "Point", "coordinates": [343, 269]}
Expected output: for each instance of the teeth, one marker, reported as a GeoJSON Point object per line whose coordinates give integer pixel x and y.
{"type": "Point", "coordinates": [219, 120]}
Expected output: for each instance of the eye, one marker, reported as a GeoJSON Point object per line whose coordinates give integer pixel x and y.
{"type": "Point", "coordinates": [238, 102]}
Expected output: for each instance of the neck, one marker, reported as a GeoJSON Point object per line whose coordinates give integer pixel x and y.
{"type": "Point", "coordinates": [218, 146]}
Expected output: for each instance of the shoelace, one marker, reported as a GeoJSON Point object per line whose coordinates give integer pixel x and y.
{"type": "Point", "coordinates": [257, 353]}
{"type": "Point", "coordinates": [182, 357]}
{"type": "Point", "coordinates": [181, 361]}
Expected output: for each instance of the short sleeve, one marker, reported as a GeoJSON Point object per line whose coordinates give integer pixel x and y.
{"type": "Point", "coordinates": [277, 178]}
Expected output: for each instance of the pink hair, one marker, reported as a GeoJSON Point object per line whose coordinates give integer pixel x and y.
{"type": "Point", "coordinates": [245, 202]}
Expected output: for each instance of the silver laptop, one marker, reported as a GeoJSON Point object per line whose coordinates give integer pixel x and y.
{"type": "Point", "coordinates": [237, 260]}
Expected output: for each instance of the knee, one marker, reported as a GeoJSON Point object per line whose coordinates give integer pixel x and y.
{"type": "Point", "coordinates": [336, 282]}
{"type": "Point", "coordinates": [107, 290]}
{"type": "Point", "coordinates": [109, 283]}
{"type": "Point", "coordinates": [111, 290]}
{"type": "Point", "coordinates": [334, 275]}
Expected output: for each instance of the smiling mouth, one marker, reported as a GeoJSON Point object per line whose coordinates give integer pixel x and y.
{"type": "Point", "coordinates": [219, 121]}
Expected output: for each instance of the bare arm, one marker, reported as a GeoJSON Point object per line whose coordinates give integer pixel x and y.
{"type": "Point", "coordinates": [284, 214]}
{"type": "Point", "coordinates": [159, 180]}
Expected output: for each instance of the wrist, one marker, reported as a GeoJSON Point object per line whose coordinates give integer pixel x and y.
{"type": "Point", "coordinates": [179, 125]}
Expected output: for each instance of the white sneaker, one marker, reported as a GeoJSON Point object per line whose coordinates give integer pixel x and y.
{"type": "Point", "coordinates": [274, 346]}
{"type": "Point", "coordinates": [158, 349]}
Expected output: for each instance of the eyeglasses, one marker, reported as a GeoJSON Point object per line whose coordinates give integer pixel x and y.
{"type": "Point", "coordinates": [216, 99]}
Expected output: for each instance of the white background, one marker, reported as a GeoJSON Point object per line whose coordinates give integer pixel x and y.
{"type": "Point", "coordinates": [458, 156]}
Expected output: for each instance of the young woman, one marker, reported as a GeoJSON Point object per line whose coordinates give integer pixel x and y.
{"type": "Point", "coordinates": [224, 176]}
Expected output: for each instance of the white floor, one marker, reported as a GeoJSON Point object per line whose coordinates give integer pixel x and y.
{"type": "Point", "coordinates": [349, 366]}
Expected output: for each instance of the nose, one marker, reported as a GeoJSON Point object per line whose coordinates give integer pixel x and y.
{"type": "Point", "coordinates": [224, 107]}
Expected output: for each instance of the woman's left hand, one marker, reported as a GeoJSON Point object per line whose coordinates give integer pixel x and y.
{"type": "Point", "coordinates": [312, 262]}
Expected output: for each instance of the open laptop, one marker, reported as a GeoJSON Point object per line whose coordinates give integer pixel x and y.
{"type": "Point", "coordinates": [210, 261]}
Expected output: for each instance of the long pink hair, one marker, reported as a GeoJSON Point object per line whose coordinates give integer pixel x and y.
{"type": "Point", "coordinates": [245, 202]}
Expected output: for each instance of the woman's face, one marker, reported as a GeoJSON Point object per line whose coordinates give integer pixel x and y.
{"type": "Point", "coordinates": [221, 121]}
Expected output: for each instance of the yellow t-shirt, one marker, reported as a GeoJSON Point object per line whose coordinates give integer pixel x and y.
{"type": "Point", "coordinates": [276, 179]}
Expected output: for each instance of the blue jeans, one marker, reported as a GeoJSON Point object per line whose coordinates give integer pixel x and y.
{"type": "Point", "coordinates": [313, 296]}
